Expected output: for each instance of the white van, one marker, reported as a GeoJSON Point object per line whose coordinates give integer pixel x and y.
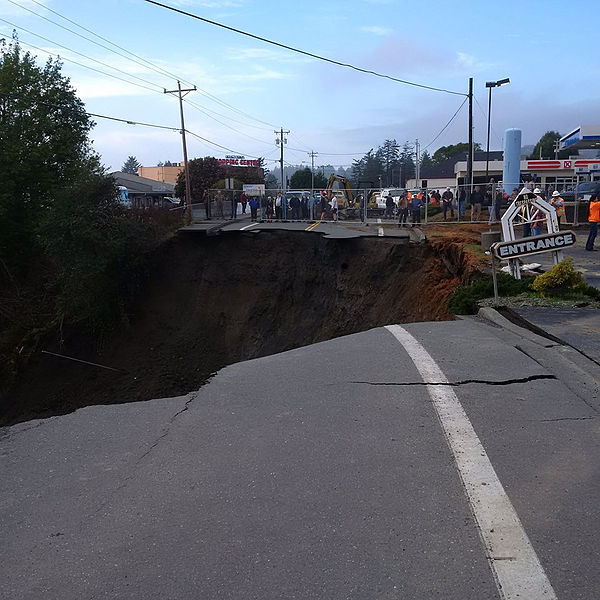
{"type": "Point", "coordinates": [379, 197]}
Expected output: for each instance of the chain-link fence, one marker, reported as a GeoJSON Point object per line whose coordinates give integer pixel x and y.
{"type": "Point", "coordinates": [450, 205]}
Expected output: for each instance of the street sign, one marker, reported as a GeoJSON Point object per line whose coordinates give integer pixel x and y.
{"type": "Point", "coordinates": [549, 242]}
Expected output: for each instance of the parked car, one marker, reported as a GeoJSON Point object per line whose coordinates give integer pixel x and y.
{"type": "Point", "coordinates": [168, 202]}
{"type": "Point", "coordinates": [583, 191]}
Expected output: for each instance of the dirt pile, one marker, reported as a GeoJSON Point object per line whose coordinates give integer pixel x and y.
{"type": "Point", "coordinates": [212, 301]}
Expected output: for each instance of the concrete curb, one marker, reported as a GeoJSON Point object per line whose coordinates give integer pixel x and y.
{"type": "Point", "coordinates": [490, 314]}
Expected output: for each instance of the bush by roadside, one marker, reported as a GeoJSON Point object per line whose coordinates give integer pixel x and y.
{"type": "Point", "coordinates": [561, 286]}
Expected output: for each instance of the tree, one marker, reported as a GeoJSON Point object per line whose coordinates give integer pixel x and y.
{"type": "Point", "coordinates": [426, 160]}
{"type": "Point", "coordinates": [389, 156]}
{"type": "Point", "coordinates": [303, 180]}
{"type": "Point", "coordinates": [545, 147]}
{"type": "Point", "coordinates": [368, 169]}
{"type": "Point", "coordinates": [167, 163]}
{"type": "Point", "coordinates": [44, 147]}
{"type": "Point", "coordinates": [407, 163]}
{"type": "Point", "coordinates": [131, 166]}
{"type": "Point", "coordinates": [204, 173]}
{"type": "Point", "coordinates": [446, 152]}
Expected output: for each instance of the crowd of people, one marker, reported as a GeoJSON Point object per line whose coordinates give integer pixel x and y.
{"type": "Point", "coordinates": [407, 207]}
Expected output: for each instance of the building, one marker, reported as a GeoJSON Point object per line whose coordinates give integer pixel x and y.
{"type": "Point", "coordinates": [144, 192]}
{"type": "Point", "coordinates": [163, 174]}
{"type": "Point", "coordinates": [559, 174]}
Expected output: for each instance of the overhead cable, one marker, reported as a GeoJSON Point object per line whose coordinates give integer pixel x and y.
{"type": "Point", "coordinates": [304, 52]}
{"type": "Point", "coordinates": [446, 125]}
{"type": "Point", "coordinates": [84, 65]}
{"type": "Point", "coordinates": [137, 59]}
{"type": "Point", "coordinates": [81, 54]}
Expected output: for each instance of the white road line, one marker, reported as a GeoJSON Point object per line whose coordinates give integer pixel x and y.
{"type": "Point", "coordinates": [515, 565]}
{"type": "Point", "coordinates": [248, 226]}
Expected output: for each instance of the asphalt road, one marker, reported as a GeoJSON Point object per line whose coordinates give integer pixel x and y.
{"type": "Point", "coordinates": [330, 471]}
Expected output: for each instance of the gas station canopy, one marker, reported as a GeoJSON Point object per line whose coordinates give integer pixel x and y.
{"type": "Point", "coordinates": [582, 138]}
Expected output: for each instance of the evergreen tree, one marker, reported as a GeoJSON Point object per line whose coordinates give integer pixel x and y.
{"type": "Point", "coordinates": [131, 166]}
{"type": "Point", "coordinates": [407, 163]}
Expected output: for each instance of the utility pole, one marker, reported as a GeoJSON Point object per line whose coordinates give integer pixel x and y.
{"type": "Point", "coordinates": [469, 181]}
{"type": "Point", "coordinates": [417, 164]}
{"type": "Point", "coordinates": [188, 188]}
{"type": "Point", "coordinates": [280, 141]}
{"type": "Point", "coordinates": [556, 149]}
{"type": "Point", "coordinates": [312, 155]}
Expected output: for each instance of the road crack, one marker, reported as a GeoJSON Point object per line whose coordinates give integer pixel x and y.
{"type": "Point", "coordinates": [457, 383]}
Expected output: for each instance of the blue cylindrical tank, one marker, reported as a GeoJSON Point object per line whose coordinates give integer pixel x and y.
{"type": "Point", "coordinates": [511, 175]}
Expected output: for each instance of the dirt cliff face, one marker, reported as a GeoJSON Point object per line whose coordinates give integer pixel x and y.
{"type": "Point", "coordinates": [212, 301]}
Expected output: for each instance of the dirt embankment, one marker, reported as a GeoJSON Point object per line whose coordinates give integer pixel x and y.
{"type": "Point", "coordinates": [214, 301]}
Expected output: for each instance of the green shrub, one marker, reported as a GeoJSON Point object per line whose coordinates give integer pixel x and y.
{"type": "Point", "coordinates": [562, 281]}
{"type": "Point", "coordinates": [465, 297]}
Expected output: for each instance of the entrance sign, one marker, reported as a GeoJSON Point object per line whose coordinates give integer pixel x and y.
{"type": "Point", "coordinates": [533, 245]}
{"type": "Point", "coordinates": [528, 210]}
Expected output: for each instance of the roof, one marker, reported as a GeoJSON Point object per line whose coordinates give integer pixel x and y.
{"type": "Point", "coordinates": [445, 169]}
{"type": "Point", "coordinates": [142, 185]}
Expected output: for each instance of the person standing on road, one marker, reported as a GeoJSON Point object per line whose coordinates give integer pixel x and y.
{"type": "Point", "coordinates": [462, 202]}
{"type": "Point", "coordinates": [278, 206]}
{"type": "Point", "coordinates": [447, 200]}
{"type": "Point", "coordinates": [334, 207]}
{"type": "Point", "coordinates": [243, 202]}
{"type": "Point", "coordinates": [219, 203]}
{"type": "Point", "coordinates": [253, 208]}
{"type": "Point", "coordinates": [559, 205]}
{"type": "Point", "coordinates": [476, 202]}
{"type": "Point", "coordinates": [324, 206]}
{"type": "Point", "coordinates": [415, 209]}
{"type": "Point", "coordinates": [402, 210]}
{"type": "Point", "coordinates": [389, 207]}
{"type": "Point", "coordinates": [593, 219]}
{"type": "Point", "coordinates": [270, 209]}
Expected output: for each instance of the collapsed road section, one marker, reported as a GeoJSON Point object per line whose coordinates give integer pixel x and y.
{"type": "Point", "coordinates": [214, 301]}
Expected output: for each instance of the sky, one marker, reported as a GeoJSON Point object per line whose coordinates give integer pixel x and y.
{"type": "Point", "coordinates": [247, 89]}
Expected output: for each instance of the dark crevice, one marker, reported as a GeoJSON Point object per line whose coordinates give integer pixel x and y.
{"type": "Point", "coordinates": [458, 383]}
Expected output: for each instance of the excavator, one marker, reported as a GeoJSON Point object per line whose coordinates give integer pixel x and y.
{"type": "Point", "coordinates": [346, 204]}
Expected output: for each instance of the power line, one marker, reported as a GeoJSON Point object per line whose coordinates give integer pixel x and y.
{"type": "Point", "coordinates": [80, 53]}
{"type": "Point", "coordinates": [90, 114]}
{"type": "Point", "coordinates": [446, 125]}
{"type": "Point", "coordinates": [226, 125]}
{"type": "Point", "coordinates": [204, 108]}
{"type": "Point", "coordinates": [141, 61]}
{"type": "Point", "coordinates": [203, 139]}
{"type": "Point", "coordinates": [304, 52]}
{"type": "Point", "coordinates": [138, 59]}
{"type": "Point", "coordinates": [83, 65]}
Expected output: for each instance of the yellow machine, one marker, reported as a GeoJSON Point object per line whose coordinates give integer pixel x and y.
{"type": "Point", "coordinates": [345, 198]}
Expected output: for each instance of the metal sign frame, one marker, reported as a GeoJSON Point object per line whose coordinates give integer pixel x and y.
{"type": "Point", "coordinates": [526, 209]}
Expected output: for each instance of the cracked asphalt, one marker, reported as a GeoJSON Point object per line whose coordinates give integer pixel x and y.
{"type": "Point", "coordinates": [321, 472]}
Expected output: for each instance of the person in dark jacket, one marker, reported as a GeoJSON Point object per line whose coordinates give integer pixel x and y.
{"type": "Point", "coordinates": [389, 206]}
{"type": "Point", "coordinates": [447, 200]}
{"type": "Point", "coordinates": [476, 202]}
{"type": "Point", "coordinates": [253, 208]}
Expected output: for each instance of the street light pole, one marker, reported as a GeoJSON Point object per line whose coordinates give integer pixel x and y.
{"type": "Point", "coordinates": [490, 85]}
{"type": "Point", "coordinates": [312, 155]}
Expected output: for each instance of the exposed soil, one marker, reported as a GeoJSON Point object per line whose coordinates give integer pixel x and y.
{"type": "Point", "coordinates": [213, 301]}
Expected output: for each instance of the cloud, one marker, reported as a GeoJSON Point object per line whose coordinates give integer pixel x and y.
{"type": "Point", "coordinates": [376, 30]}
{"type": "Point", "coordinates": [468, 62]}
